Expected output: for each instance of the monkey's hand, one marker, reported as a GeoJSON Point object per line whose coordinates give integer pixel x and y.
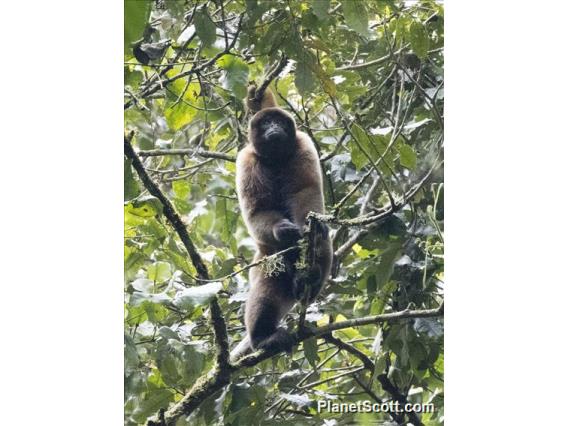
{"type": "Point", "coordinates": [286, 232]}
{"type": "Point", "coordinates": [321, 230]}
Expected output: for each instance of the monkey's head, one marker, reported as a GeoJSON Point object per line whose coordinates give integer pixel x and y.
{"type": "Point", "coordinates": [273, 134]}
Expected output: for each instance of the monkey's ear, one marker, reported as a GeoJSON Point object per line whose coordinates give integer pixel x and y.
{"type": "Point", "coordinates": [268, 100]}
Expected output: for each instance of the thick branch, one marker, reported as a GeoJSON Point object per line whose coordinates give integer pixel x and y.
{"type": "Point", "coordinates": [306, 333]}
{"type": "Point", "coordinates": [169, 210]}
{"type": "Point", "coordinates": [375, 319]}
{"type": "Point", "coordinates": [187, 151]}
{"type": "Point", "coordinates": [219, 375]}
{"type": "Point", "coordinates": [203, 388]}
{"type": "Point", "coordinates": [217, 378]}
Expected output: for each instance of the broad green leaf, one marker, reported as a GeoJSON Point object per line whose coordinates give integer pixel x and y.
{"type": "Point", "coordinates": [355, 12]}
{"type": "Point", "coordinates": [373, 146]}
{"type": "Point", "coordinates": [204, 27]}
{"type": "Point", "coordinates": [305, 81]}
{"type": "Point", "coordinates": [131, 189]}
{"type": "Point", "coordinates": [385, 264]}
{"type": "Point", "coordinates": [346, 333]}
{"type": "Point", "coordinates": [419, 40]}
{"type": "Point", "coordinates": [328, 85]}
{"type": "Point", "coordinates": [321, 8]}
{"type": "Point", "coordinates": [272, 38]}
{"type": "Point", "coordinates": [358, 157]}
{"type": "Point", "coordinates": [145, 207]}
{"type": "Point", "coordinates": [159, 272]}
{"type": "Point", "coordinates": [130, 354]}
{"type": "Point", "coordinates": [311, 351]}
{"type": "Point", "coordinates": [317, 44]}
{"type": "Point", "coordinates": [143, 284]}
{"type": "Point", "coordinates": [152, 402]}
{"type": "Point", "coordinates": [181, 188]}
{"type": "Point", "coordinates": [418, 355]}
{"type": "Point", "coordinates": [191, 297]}
{"type": "Point", "coordinates": [407, 156]}
{"type": "Point", "coordinates": [139, 297]}
{"type": "Point", "coordinates": [136, 14]}
{"type": "Point", "coordinates": [236, 75]}
{"type": "Point", "coordinates": [182, 100]}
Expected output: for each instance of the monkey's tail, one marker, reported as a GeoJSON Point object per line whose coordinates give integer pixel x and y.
{"type": "Point", "coordinates": [254, 105]}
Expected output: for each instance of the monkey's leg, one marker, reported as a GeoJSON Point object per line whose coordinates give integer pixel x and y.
{"type": "Point", "coordinates": [269, 300]}
{"type": "Point", "coordinates": [242, 349]}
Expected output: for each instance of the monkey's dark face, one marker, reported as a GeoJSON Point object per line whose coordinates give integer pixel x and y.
{"type": "Point", "coordinates": [273, 134]}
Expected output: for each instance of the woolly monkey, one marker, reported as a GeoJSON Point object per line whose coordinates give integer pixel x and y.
{"type": "Point", "coordinates": [279, 182]}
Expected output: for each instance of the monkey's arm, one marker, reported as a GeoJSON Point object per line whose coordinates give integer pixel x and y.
{"type": "Point", "coordinates": [271, 228]}
{"type": "Point", "coordinates": [266, 225]}
{"type": "Point", "coordinates": [309, 194]}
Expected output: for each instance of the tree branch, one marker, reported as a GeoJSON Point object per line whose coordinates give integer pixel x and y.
{"type": "Point", "coordinates": [169, 210]}
{"type": "Point", "coordinates": [217, 378]}
{"type": "Point", "coordinates": [219, 375]}
{"type": "Point", "coordinates": [162, 83]}
{"type": "Point", "coordinates": [307, 333]}
{"type": "Point", "coordinates": [386, 384]}
{"type": "Point", "coordinates": [187, 151]}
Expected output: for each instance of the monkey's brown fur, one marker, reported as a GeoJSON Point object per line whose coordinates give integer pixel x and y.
{"type": "Point", "coordinates": [279, 182]}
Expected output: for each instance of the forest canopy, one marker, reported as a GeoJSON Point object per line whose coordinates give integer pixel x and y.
{"type": "Point", "coordinates": [364, 79]}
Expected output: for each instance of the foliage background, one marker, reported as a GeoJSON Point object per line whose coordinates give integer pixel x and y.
{"type": "Point", "coordinates": [365, 80]}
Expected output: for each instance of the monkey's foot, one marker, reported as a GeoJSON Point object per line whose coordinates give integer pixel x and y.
{"type": "Point", "coordinates": [280, 341]}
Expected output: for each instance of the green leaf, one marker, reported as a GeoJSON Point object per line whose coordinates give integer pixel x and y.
{"type": "Point", "coordinates": [154, 400]}
{"type": "Point", "coordinates": [236, 75]}
{"type": "Point", "coordinates": [138, 297]}
{"type": "Point", "coordinates": [145, 207]}
{"type": "Point", "coordinates": [385, 264]}
{"type": "Point", "coordinates": [407, 156]}
{"type": "Point", "coordinates": [320, 8]}
{"type": "Point", "coordinates": [418, 37]}
{"type": "Point", "coordinates": [204, 27]}
{"type": "Point", "coordinates": [311, 351]}
{"type": "Point", "coordinates": [131, 359]}
{"type": "Point", "coordinates": [136, 14]}
{"type": "Point", "coordinates": [131, 189]}
{"type": "Point", "coordinates": [375, 146]}
{"type": "Point", "coordinates": [356, 16]}
{"type": "Point", "coordinates": [305, 81]}
{"type": "Point", "coordinates": [179, 115]}
{"type": "Point", "coordinates": [179, 110]}
{"type": "Point", "coordinates": [143, 285]}
{"type": "Point", "coordinates": [159, 272]}
{"type": "Point", "coordinates": [181, 188]}
{"type": "Point", "coordinates": [192, 297]}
